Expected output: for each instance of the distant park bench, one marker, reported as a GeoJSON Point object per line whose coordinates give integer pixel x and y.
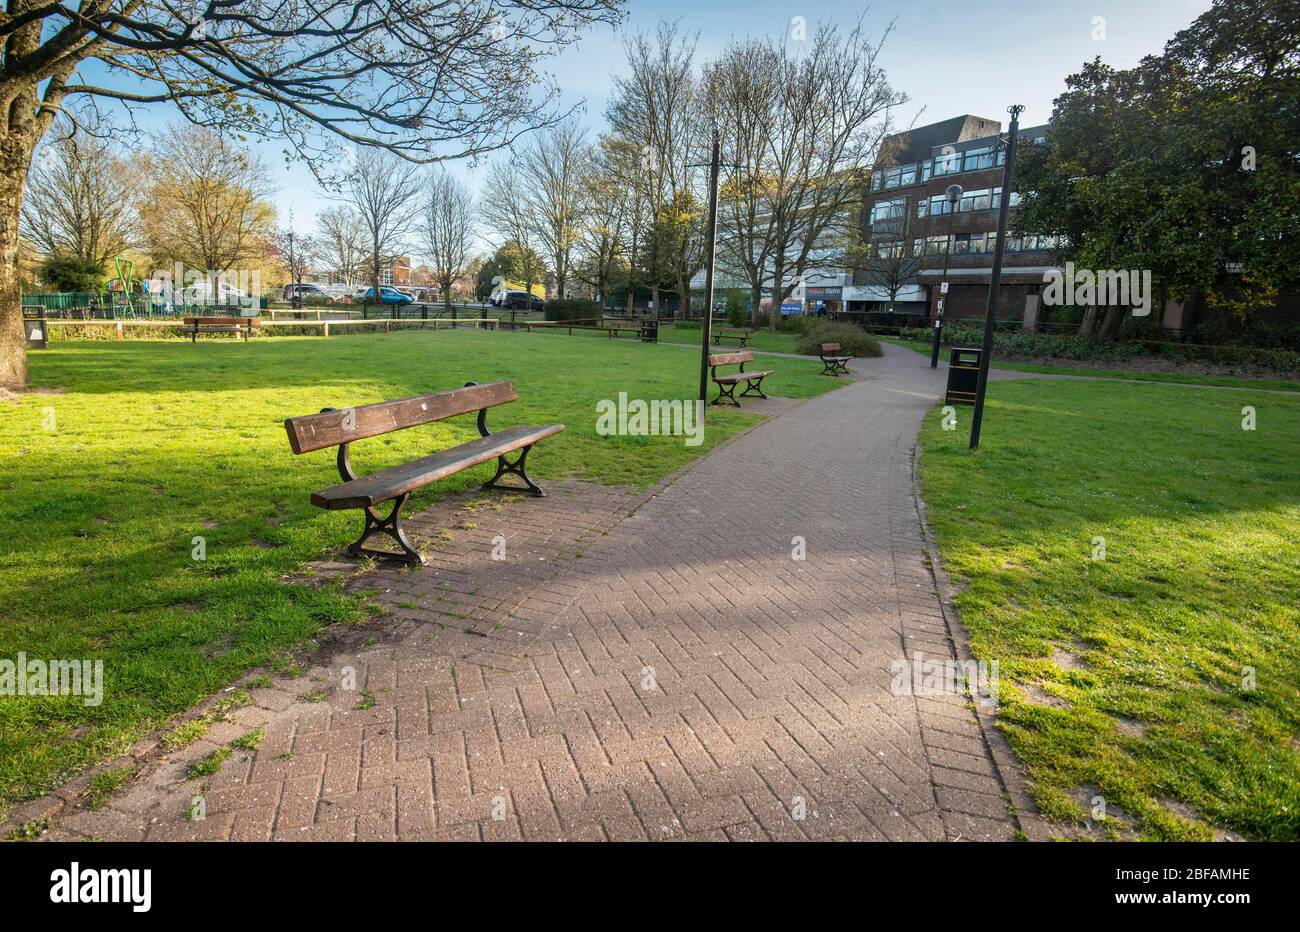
{"type": "Point", "coordinates": [727, 383]}
{"type": "Point", "coordinates": [740, 334]}
{"type": "Point", "coordinates": [332, 428]}
{"type": "Point", "coordinates": [236, 325]}
{"type": "Point", "coordinates": [834, 363]}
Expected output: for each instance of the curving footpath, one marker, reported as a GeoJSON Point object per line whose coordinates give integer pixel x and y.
{"type": "Point", "coordinates": [642, 665]}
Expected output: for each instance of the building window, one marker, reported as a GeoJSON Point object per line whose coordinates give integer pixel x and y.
{"type": "Point", "coordinates": [930, 246]}
{"type": "Point", "coordinates": [886, 179]}
{"type": "Point", "coordinates": [888, 209]}
{"type": "Point", "coordinates": [947, 164]}
{"type": "Point", "coordinates": [889, 249]}
{"type": "Point", "coordinates": [974, 160]}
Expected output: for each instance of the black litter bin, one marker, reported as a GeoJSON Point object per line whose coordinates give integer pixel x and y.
{"type": "Point", "coordinates": [963, 375]}
{"type": "Point", "coordinates": [34, 328]}
{"type": "Point", "coordinates": [650, 330]}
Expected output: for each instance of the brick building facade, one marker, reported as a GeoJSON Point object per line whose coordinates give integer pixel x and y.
{"type": "Point", "coordinates": [909, 226]}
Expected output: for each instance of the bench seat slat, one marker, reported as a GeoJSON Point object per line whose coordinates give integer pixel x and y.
{"type": "Point", "coordinates": [330, 428]}
{"type": "Point", "coordinates": [387, 484]}
{"type": "Point", "coordinates": [742, 376]}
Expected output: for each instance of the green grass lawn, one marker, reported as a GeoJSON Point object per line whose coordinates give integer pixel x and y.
{"type": "Point", "coordinates": [155, 443]}
{"type": "Point", "coordinates": [1151, 701]}
{"type": "Point", "coordinates": [1226, 381]}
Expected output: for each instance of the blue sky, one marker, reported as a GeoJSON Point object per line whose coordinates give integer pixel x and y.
{"type": "Point", "coordinates": [950, 57]}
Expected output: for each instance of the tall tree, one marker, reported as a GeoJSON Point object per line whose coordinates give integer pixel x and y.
{"type": "Point", "coordinates": [81, 196]}
{"type": "Point", "coordinates": [607, 206]}
{"type": "Point", "coordinates": [657, 109]}
{"type": "Point", "coordinates": [295, 252]}
{"type": "Point", "coordinates": [551, 171]}
{"type": "Point", "coordinates": [448, 230]}
{"type": "Point", "coordinates": [801, 122]}
{"type": "Point", "coordinates": [743, 86]}
{"type": "Point", "coordinates": [510, 214]}
{"type": "Point", "coordinates": [429, 80]}
{"type": "Point", "coordinates": [341, 241]}
{"type": "Point", "coordinates": [209, 203]}
{"type": "Point", "coordinates": [1184, 165]}
{"type": "Point", "coordinates": [383, 190]}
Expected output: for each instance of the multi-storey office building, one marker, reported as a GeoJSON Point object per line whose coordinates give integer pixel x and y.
{"type": "Point", "coordinates": [909, 226]}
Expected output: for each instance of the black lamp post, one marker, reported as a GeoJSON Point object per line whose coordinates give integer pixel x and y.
{"type": "Point", "coordinates": [1013, 136]}
{"type": "Point", "coordinates": [953, 194]}
{"type": "Point", "coordinates": [711, 242]}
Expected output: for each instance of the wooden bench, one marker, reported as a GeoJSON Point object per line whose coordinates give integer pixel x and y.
{"type": "Point", "coordinates": [236, 325]}
{"type": "Point", "coordinates": [739, 334]}
{"type": "Point", "coordinates": [341, 428]}
{"type": "Point", "coordinates": [727, 383]}
{"type": "Point", "coordinates": [834, 363]}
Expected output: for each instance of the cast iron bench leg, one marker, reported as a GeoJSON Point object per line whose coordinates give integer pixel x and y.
{"type": "Point", "coordinates": [516, 468]}
{"type": "Point", "coordinates": [753, 385]}
{"type": "Point", "coordinates": [390, 526]}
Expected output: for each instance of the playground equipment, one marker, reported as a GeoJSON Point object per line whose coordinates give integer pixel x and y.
{"type": "Point", "coordinates": [130, 296]}
{"type": "Point", "coordinates": [127, 295]}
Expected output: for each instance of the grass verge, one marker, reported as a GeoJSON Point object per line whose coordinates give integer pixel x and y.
{"type": "Point", "coordinates": [1164, 675]}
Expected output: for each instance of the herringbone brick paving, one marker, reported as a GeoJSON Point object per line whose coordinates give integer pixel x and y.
{"type": "Point", "coordinates": [638, 666]}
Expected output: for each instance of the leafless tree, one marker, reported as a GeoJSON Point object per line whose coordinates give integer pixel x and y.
{"type": "Point", "coordinates": [428, 80]}
{"type": "Point", "coordinates": [805, 137]}
{"type": "Point", "coordinates": [448, 230]}
{"type": "Point", "coordinates": [890, 267]}
{"type": "Point", "coordinates": [608, 203]}
{"type": "Point", "coordinates": [295, 252]}
{"type": "Point", "coordinates": [342, 244]}
{"type": "Point", "coordinates": [81, 198]}
{"type": "Point", "coordinates": [509, 213]}
{"type": "Point", "coordinates": [551, 169]}
{"type": "Point", "coordinates": [657, 110]}
{"type": "Point", "coordinates": [383, 190]}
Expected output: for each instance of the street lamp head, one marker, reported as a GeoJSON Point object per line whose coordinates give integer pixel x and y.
{"type": "Point", "coordinates": [954, 193]}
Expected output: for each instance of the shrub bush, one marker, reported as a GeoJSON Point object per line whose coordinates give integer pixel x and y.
{"type": "Point", "coordinates": [797, 323]}
{"type": "Point", "coordinates": [1068, 346]}
{"type": "Point", "coordinates": [563, 309]}
{"type": "Point", "coordinates": [70, 273]}
{"type": "Point", "coordinates": [737, 312]}
{"type": "Point", "coordinates": [853, 340]}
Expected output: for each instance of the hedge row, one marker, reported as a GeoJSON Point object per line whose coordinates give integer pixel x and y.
{"type": "Point", "coordinates": [1065, 346]}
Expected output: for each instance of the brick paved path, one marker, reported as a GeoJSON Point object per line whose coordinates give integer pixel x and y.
{"type": "Point", "coordinates": [640, 666]}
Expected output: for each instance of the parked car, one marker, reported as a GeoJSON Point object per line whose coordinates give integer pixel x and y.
{"type": "Point", "coordinates": [517, 301]}
{"type": "Point", "coordinates": [202, 292]}
{"type": "Point", "coordinates": [305, 291]}
{"type": "Point", "coordinates": [387, 295]}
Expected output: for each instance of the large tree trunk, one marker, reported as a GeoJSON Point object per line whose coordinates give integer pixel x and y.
{"type": "Point", "coordinates": [1111, 323]}
{"type": "Point", "coordinates": [778, 285]}
{"type": "Point", "coordinates": [15, 158]}
{"type": "Point", "coordinates": [1089, 320]}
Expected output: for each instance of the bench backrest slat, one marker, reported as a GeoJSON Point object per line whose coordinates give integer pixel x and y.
{"type": "Point", "coordinates": [830, 347]}
{"type": "Point", "coordinates": [219, 321]}
{"type": "Point", "coordinates": [331, 428]}
{"type": "Point", "coordinates": [727, 359]}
